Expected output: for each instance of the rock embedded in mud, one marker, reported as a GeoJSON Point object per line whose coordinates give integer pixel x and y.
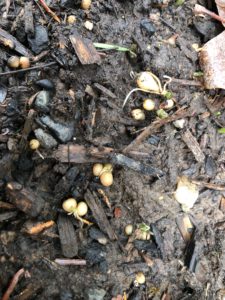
{"type": "Point", "coordinates": [97, 235]}
{"type": "Point", "coordinates": [24, 199]}
{"type": "Point", "coordinates": [96, 294]}
{"type": "Point", "coordinates": [40, 40]}
{"type": "Point", "coordinates": [147, 26]}
{"type": "Point", "coordinates": [95, 253]}
{"type": "Point", "coordinates": [67, 3]}
{"type": "Point", "coordinates": [61, 131]}
{"type": "Point", "coordinates": [42, 101]}
{"type": "Point", "coordinates": [46, 140]}
{"type": "Point", "coordinates": [46, 84]}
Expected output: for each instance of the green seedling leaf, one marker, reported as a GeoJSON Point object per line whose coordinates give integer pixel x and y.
{"type": "Point", "coordinates": [179, 2]}
{"type": "Point", "coordinates": [168, 95]}
{"type": "Point", "coordinates": [217, 113]}
{"type": "Point", "coordinates": [162, 114]}
{"type": "Point", "coordinates": [114, 47]}
{"type": "Point", "coordinates": [144, 227]}
{"type": "Point", "coordinates": [221, 130]}
{"type": "Point", "coordinates": [198, 74]}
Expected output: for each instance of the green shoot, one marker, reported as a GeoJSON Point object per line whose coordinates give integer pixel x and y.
{"type": "Point", "coordinates": [179, 2]}
{"type": "Point", "coordinates": [114, 47]}
{"type": "Point", "coordinates": [144, 227]}
{"type": "Point", "coordinates": [221, 130]}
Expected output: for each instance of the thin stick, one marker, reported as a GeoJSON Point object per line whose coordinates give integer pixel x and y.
{"type": "Point", "coordinates": [199, 9]}
{"type": "Point", "coordinates": [186, 82]}
{"type": "Point", "coordinates": [154, 127]}
{"type": "Point", "coordinates": [49, 11]}
{"type": "Point", "coordinates": [28, 69]}
{"type": "Point", "coordinates": [13, 284]}
{"type": "Point", "coordinates": [68, 262]}
{"type": "Point", "coordinates": [211, 186]}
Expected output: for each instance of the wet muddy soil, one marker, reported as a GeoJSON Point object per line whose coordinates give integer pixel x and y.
{"type": "Point", "coordinates": [81, 105]}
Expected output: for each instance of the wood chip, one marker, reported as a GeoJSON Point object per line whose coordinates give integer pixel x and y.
{"type": "Point", "coordinates": [79, 154]}
{"type": "Point", "coordinates": [28, 18]}
{"type": "Point", "coordinates": [31, 227]}
{"type": "Point", "coordinates": [7, 215]}
{"type": "Point", "coordinates": [98, 212]}
{"type": "Point", "coordinates": [8, 40]}
{"type": "Point", "coordinates": [222, 204]}
{"type": "Point", "coordinates": [193, 145]}
{"type": "Point", "coordinates": [185, 226]}
{"type": "Point", "coordinates": [70, 262]}
{"type": "Point", "coordinates": [24, 199]}
{"type": "Point", "coordinates": [84, 49]}
{"type": "Point", "coordinates": [104, 90]}
{"type": "Point", "coordinates": [67, 235]}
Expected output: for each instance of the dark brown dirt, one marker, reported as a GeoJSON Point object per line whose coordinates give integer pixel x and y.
{"type": "Point", "coordinates": [137, 198]}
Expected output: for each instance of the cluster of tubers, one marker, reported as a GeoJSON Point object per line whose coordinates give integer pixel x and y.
{"type": "Point", "coordinates": [104, 172]}
{"type": "Point", "coordinates": [15, 62]}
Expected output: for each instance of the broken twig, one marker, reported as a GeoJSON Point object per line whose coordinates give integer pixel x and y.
{"type": "Point", "coordinates": [153, 127]}
{"type": "Point", "coordinates": [193, 145]}
{"type": "Point", "coordinates": [49, 11]}
{"type": "Point", "coordinates": [28, 69]}
{"type": "Point", "coordinates": [70, 262]}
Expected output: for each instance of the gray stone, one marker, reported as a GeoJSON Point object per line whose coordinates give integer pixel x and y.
{"type": "Point", "coordinates": [62, 132]}
{"type": "Point", "coordinates": [40, 40]}
{"type": "Point", "coordinates": [46, 140]}
{"type": "Point", "coordinates": [42, 101]}
{"type": "Point", "coordinates": [96, 294]}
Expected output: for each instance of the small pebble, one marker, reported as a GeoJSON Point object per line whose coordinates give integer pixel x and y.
{"type": "Point", "coordinates": [42, 101]}
{"type": "Point", "coordinates": [148, 27]}
{"type": "Point", "coordinates": [88, 25]}
{"type": "Point", "coordinates": [62, 132]}
{"type": "Point", "coordinates": [179, 123]}
{"type": "Point", "coordinates": [46, 84]}
{"type": "Point", "coordinates": [96, 294]}
{"type": "Point", "coordinates": [46, 140]}
{"type": "Point", "coordinates": [40, 40]}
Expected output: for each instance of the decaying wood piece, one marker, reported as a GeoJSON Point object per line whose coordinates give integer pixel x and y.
{"type": "Point", "coordinates": [67, 235]}
{"type": "Point", "coordinates": [84, 49]}
{"type": "Point", "coordinates": [193, 145]}
{"type": "Point", "coordinates": [63, 186]}
{"type": "Point", "coordinates": [27, 128]}
{"type": "Point", "coordinates": [32, 227]}
{"type": "Point", "coordinates": [80, 154]}
{"type": "Point", "coordinates": [10, 41]}
{"type": "Point", "coordinates": [28, 18]}
{"type": "Point", "coordinates": [185, 226]}
{"type": "Point", "coordinates": [212, 61]}
{"type": "Point", "coordinates": [98, 212]}
{"type": "Point", "coordinates": [104, 90]}
{"type": "Point", "coordinates": [29, 292]}
{"type": "Point", "coordinates": [154, 126]}
{"type": "Point", "coordinates": [134, 165]}
{"type": "Point", "coordinates": [24, 199]}
{"type": "Point", "coordinates": [7, 215]}
{"type": "Point", "coordinates": [75, 154]}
